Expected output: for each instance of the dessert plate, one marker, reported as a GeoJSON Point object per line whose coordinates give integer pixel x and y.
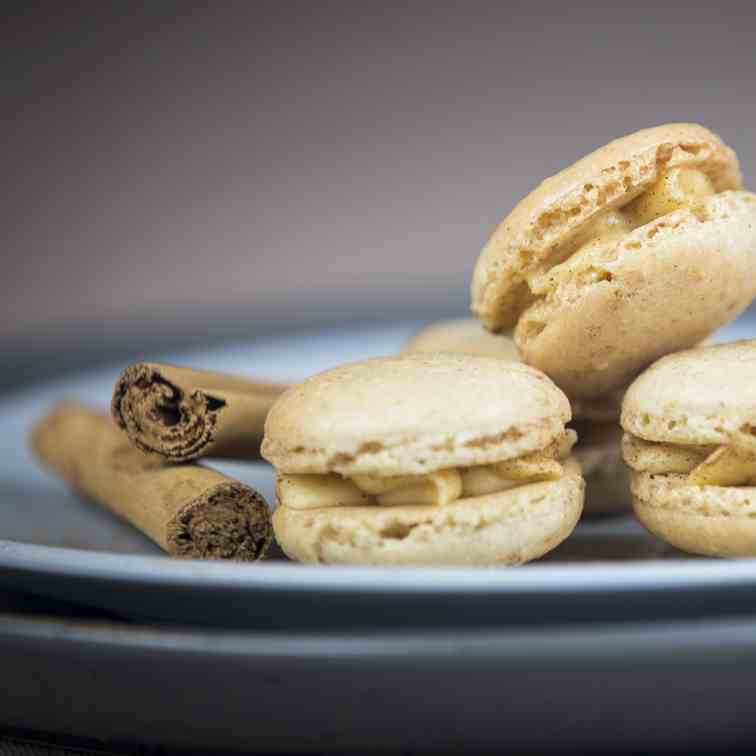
{"type": "Point", "coordinates": [61, 546]}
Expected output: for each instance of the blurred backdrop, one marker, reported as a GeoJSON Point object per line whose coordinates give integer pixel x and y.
{"type": "Point", "coordinates": [268, 162]}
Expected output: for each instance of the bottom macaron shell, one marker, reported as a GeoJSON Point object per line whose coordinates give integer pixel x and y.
{"type": "Point", "coordinates": [707, 520]}
{"type": "Point", "coordinates": [607, 482]}
{"type": "Point", "coordinates": [511, 527]}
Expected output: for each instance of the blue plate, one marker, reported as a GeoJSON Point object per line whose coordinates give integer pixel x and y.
{"type": "Point", "coordinates": [61, 546]}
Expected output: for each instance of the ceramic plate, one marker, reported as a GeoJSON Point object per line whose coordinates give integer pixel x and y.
{"type": "Point", "coordinates": [59, 545]}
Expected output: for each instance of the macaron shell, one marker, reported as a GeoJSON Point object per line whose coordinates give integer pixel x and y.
{"type": "Point", "coordinates": [463, 336]}
{"type": "Point", "coordinates": [556, 211]}
{"type": "Point", "coordinates": [700, 396]}
{"type": "Point", "coordinates": [665, 287]}
{"type": "Point", "coordinates": [709, 520]}
{"type": "Point", "coordinates": [413, 414]}
{"type": "Point", "coordinates": [510, 527]}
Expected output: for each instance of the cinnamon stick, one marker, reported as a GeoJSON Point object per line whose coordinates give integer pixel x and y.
{"type": "Point", "coordinates": [182, 414]}
{"type": "Point", "coordinates": [188, 510]}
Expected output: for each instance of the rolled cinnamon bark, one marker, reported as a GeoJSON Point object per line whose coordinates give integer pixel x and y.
{"type": "Point", "coordinates": [183, 414]}
{"type": "Point", "coordinates": [188, 510]}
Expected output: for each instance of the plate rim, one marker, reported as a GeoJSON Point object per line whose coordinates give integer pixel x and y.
{"type": "Point", "coordinates": [340, 642]}
{"type": "Point", "coordinates": [538, 578]}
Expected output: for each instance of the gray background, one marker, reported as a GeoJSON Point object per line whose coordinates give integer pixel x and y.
{"type": "Point", "coordinates": [170, 162]}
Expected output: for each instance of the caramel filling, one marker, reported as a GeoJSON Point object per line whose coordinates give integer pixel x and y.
{"type": "Point", "coordinates": [704, 465]}
{"type": "Point", "coordinates": [434, 489]}
{"type": "Point", "coordinates": [675, 189]}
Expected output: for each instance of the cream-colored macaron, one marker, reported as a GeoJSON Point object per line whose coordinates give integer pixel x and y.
{"type": "Point", "coordinates": [690, 441]}
{"type": "Point", "coordinates": [642, 248]}
{"type": "Point", "coordinates": [423, 459]}
{"type": "Point", "coordinates": [462, 336]}
{"type": "Point", "coordinates": [598, 450]}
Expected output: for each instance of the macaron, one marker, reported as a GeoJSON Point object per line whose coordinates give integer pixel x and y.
{"type": "Point", "coordinates": [598, 449]}
{"type": "Point", "coordinates": [462, 336]}
{"type": "Point", "coordinates": [423, 459]}
{"type": "Point", "coordinates": [642, 248]}
{"type": "Point", "coordinates": [690, 442]}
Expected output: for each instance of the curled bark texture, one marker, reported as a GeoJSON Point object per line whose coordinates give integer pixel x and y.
{"type": "Point", "coordinates": [188, 510]}
{"type": "Point", "coordinates": [182, 414]}
{"type": "Point", "coordinates": [229, 521]}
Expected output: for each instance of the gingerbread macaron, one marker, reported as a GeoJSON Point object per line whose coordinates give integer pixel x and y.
{"type": "Point", "coordinates": [642, 248]}
{"type": "Point", "coordinates": [690, 442]}
{"type": "Point", "coordinates": [598, 449]}
{"type": "Point", "coordinates": [439, 459]}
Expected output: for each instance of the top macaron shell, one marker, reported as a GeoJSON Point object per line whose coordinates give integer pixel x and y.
{"type": "Point", "coordinates": [699, 396]}
{"type": "Point", "coordinates": [563, 204]}
{"type": "Point", "coordinates": [413, 414]}
{"type": "Point", "coordinates": [463, 336]}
